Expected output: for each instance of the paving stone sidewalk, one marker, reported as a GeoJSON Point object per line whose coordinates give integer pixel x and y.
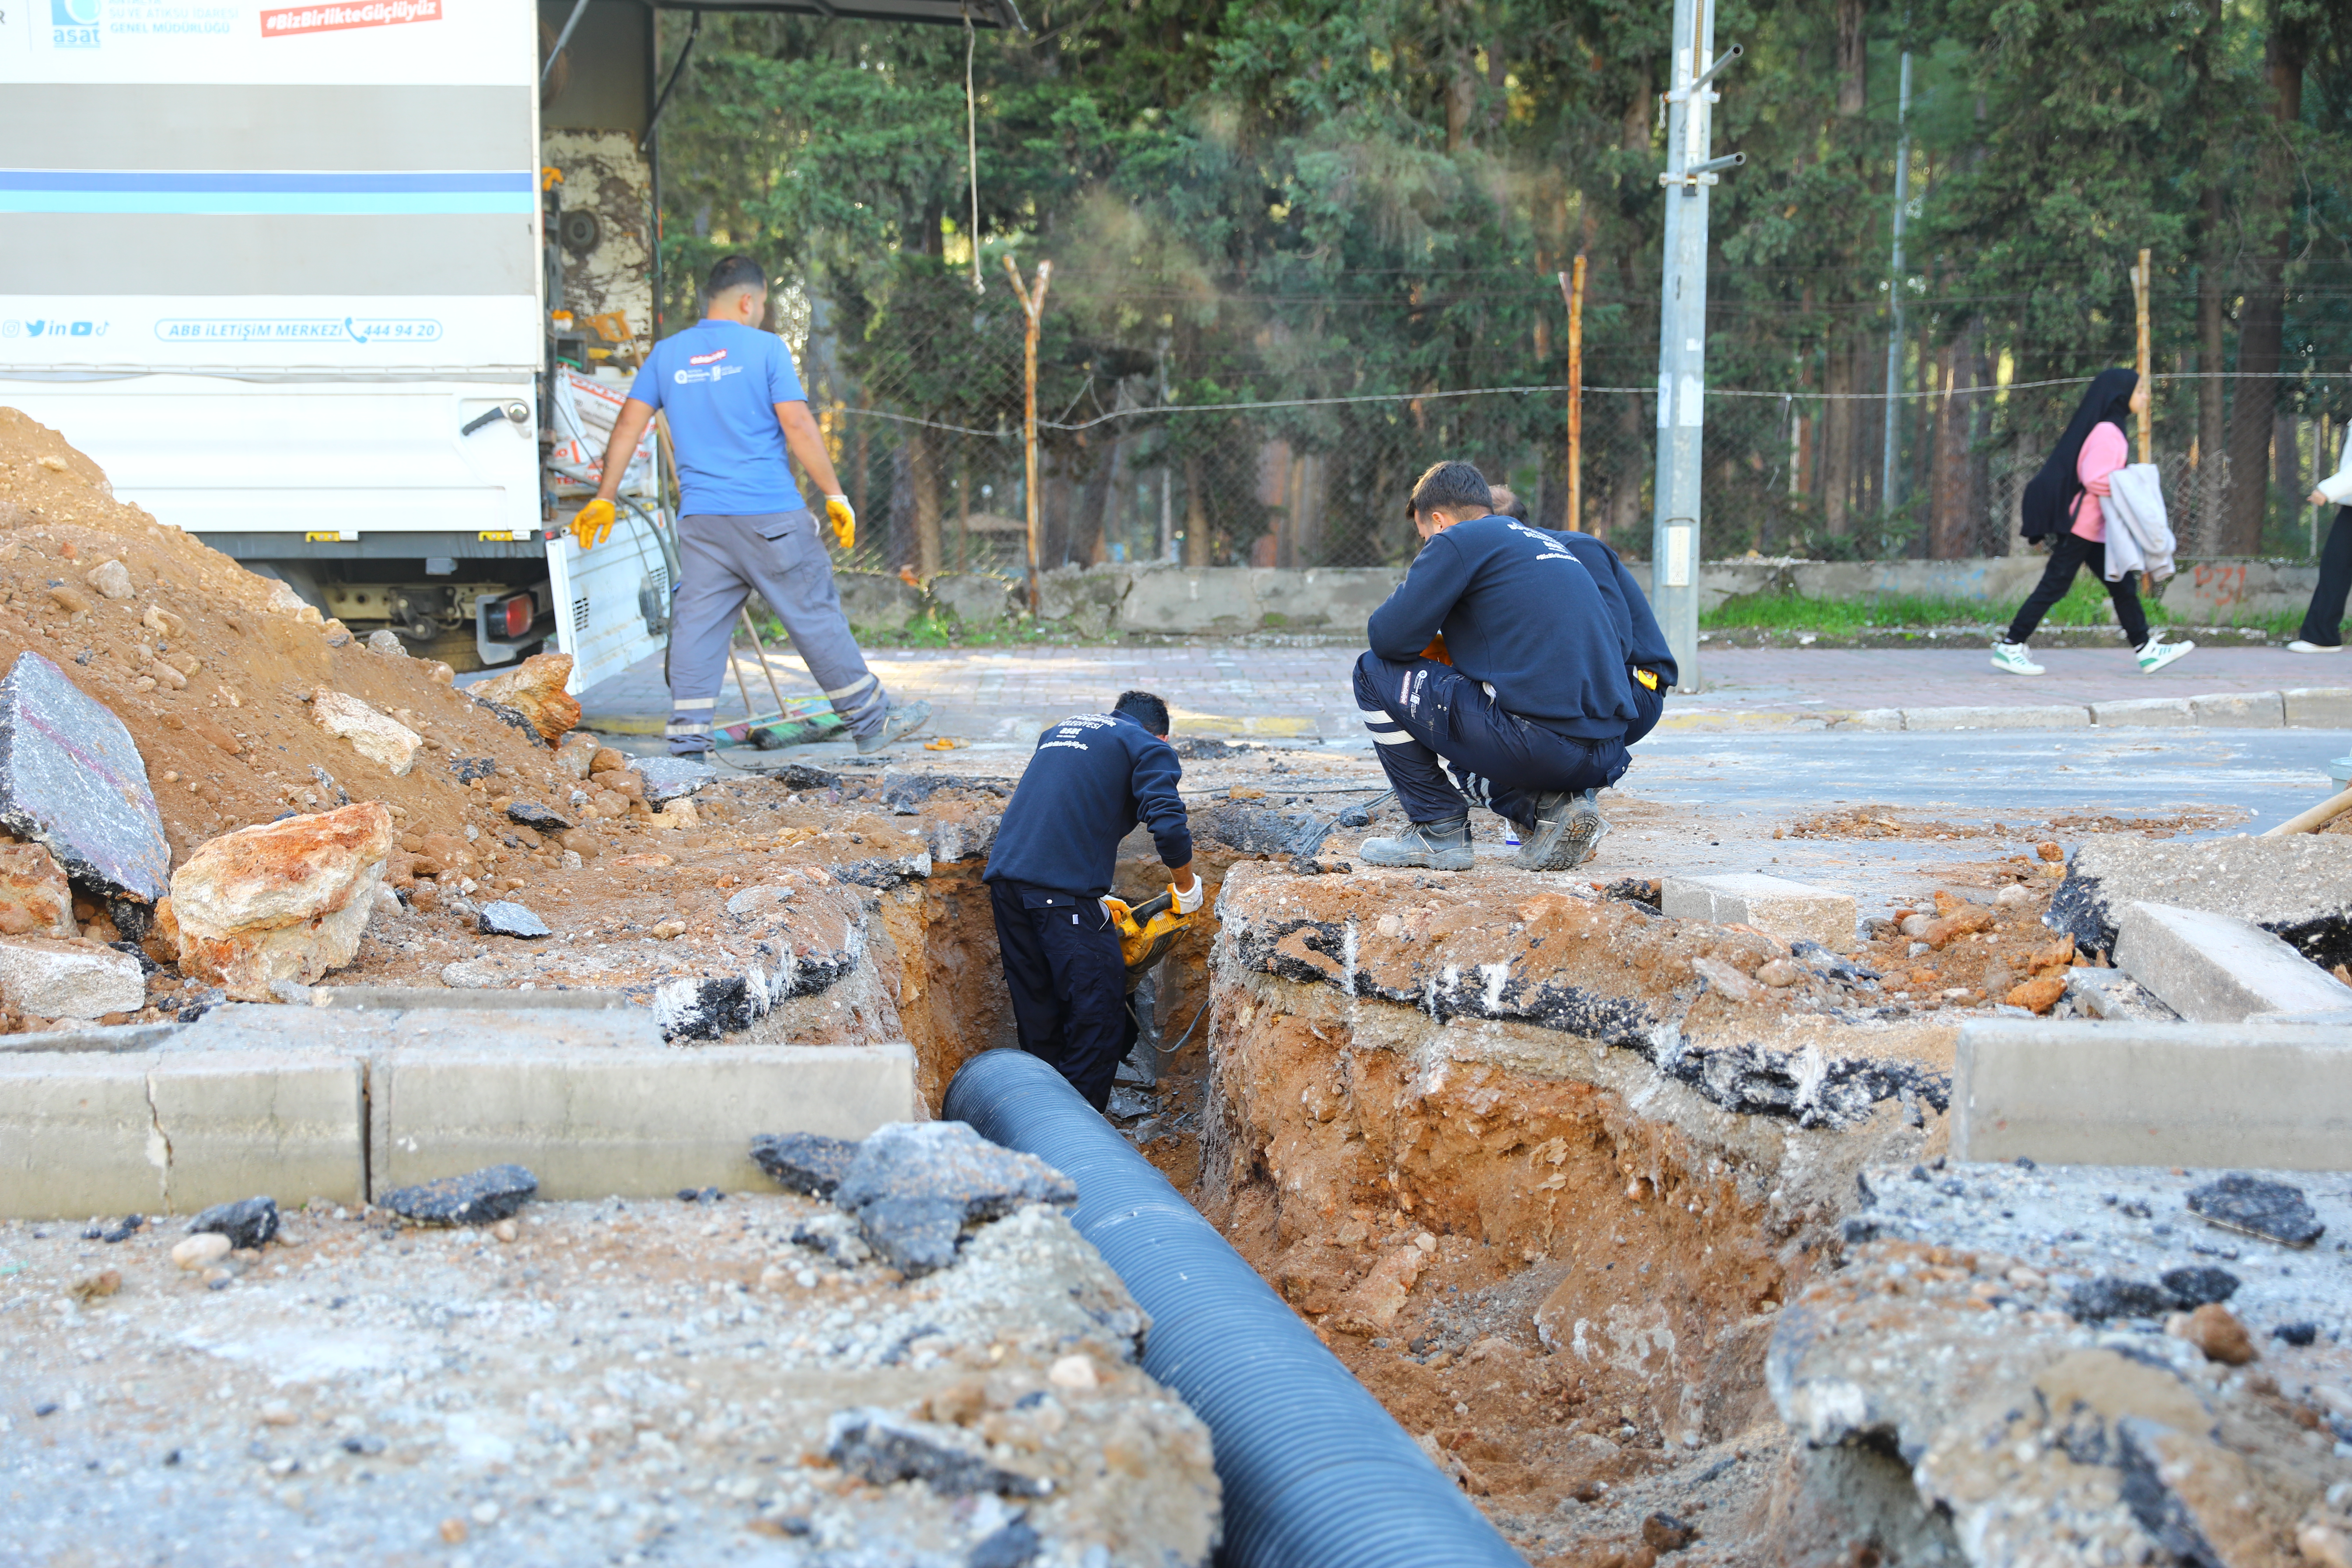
{"type": "Point", "coordinates": [1005, 695]}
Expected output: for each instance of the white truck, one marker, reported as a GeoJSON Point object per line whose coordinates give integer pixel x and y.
{"type": "Point", "coordinates": [350, 289]}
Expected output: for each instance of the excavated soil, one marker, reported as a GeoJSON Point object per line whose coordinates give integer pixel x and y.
{"type": "Point", "coordinates": [1542, 1165]}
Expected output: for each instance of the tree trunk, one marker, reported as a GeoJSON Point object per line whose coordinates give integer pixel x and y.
{"type": "Point", "coordinates": [2212, 392]}
{"type": "Point", "coordinates": [1852, 60]}
{"type": "Point", "coordinates": [2263, 323]}
{"type": "Point", "coordinates": [1836, 462]}
{"type": "Point", "coordinates": [923, 464]}
{"type": "Point", "coordinates": [1196, 514]}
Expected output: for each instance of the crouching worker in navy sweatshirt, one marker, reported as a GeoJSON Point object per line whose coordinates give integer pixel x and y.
{"type": "Point", "coordinates": [1497, 655]}
{"type": "Point", "coordinates": [1093, 777]}
{"type": "Point", "coordinates": [1649, 662]}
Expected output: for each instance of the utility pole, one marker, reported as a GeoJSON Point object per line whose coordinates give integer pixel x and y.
{"type": "Point", "coordinates": [1889, 466]}
{"type": "Point", "coordinates": [1682, 331]}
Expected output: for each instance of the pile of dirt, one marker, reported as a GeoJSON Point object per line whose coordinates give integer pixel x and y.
{"type": "Point", "coordinates": [213, 668]}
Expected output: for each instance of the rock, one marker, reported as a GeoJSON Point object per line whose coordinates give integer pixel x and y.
{"type": "Point", "coordinates": [2105, 1296]}
{"type": "Point", "coordinates": [1779, 973]}
{"type": "Point", "coordinates": [2323, 1545]}
{"type": "Point", "coordinates": [371, 734]}
{"type": "Point", "coordinates": [284, 900]}
{"type": "Point", "coordinates": [466, 770]}
{"type": "Point", "coordinates": [2292, 888]}
{"type": "Point", "coordinates": [72, 781]}
{"type": "Point", "coordinates": [53, 977]}
{"type": "Point", "coordinates": [805, 1162]}
{"type": "Point", "coordinates": [2016, 896]}
{"type": "Point", "coordinates": [1016, 1545]}
{"type": "Point", "coordinates": [915, 1187]}
{"type": "Point", "coordinates": [1375, 1303]}
{"type": "Point", "coordinates": [608, 760]}
{"type": "Point", "coordinates": [493, 1193]}
{"type": "Point", "coordinates": [1664, 1532]}
{"type": "Point", "coordinates": [1074, 1372]}
{"type": "Point", "coordinates": [880, 1448]}
{"type": "Point", "coordinates": [669, 930]}
{"type": "Point", "coordinates": [2215, 1329]}
{"type": "Point", "coordinates": [1721, 978]}
{"type": "Point", "coordinates": [249, 1222]}
{"type": "Point", "coordinates": [672, 778]}
{"type": "Point", "coordinates": [575, 756]}
{"type": "Point", "coordinates": [71, 600]}
{"type": "Point", "coordinates": [439, 673]}
{"type": "Point", "coordinates": [506, 713]}
{"type": "Point", "coordinates": [111, 578]}
{"type": "Point", "coordinates": [2195, 1287]}
{"type": "Point", "coordinates": [535, 690]}
{"type": "Point", "coordinates": [754, 902]}
{"type": "Point", "coordinates": [503, 917]}
{"type": "Point", "coordinates": [35, 897]}
{"type": "Point", "coordinates": [2037, 995]}
{"type": "Point", "coordinates": [96, 1287]}
{"type": "Point", "coordinates": [537, 817]}
{"type": "Point", "coordinates": [201, 1251]}
{"type": "Point", "coordinates": [384, 640]}
{"type": "Point", "coordinates": [2272, 1210]}
{"type": "Point", "coordinates": [2296, 1334]}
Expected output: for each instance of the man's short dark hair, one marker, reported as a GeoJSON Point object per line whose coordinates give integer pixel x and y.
{"type": "Point", "coordinates": [1144, 709]}
{"type": "Point", "coordinates": [733, 272]}
{"type": "Point", "coordinates": [1451, 487]}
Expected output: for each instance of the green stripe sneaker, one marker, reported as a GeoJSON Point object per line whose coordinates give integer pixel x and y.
{"type": "Point", "coordinates": [2010, 658]}
{"type": "Point", "coordinates": [2154, 655]}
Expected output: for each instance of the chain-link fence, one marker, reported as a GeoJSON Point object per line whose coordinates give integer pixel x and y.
{"type": "Point", "coordinates": [1156, 455]}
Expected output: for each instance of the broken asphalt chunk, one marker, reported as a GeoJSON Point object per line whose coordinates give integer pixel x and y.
{"type": "Point", "coordinates": [249, 1222]}
{"type": "Point", "coordinates": [806, 1163]}
{"type": "Point", "coordinates": [916, 1186]}
{"type": "Point", "coordinates": [503, 917]}
{"type": "Point", "coordinates": [2272, 1210]}
{"type": "Point", "coordinates": [880, 1448]}
{"type": "Point", "coordinates": [493, 1193]}
{"type": "Point", "coordinates": [533, 815]}
{"type": "Point", "coordinates": [71, 779]}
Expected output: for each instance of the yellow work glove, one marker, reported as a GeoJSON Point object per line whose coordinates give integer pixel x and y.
{"type": "Point", "coordinates": [839, 512]}
{"type": "Point", "coordinates": [593, 523]}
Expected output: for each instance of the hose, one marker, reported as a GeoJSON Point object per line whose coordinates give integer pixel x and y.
{"type": "Point", "coordinates": [1315, 1471]}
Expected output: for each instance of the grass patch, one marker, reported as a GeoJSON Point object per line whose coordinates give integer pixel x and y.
{"type": "Point", "coordinates": [937, 630]}
{"type": "Point", "coordinates": [2085, 604]}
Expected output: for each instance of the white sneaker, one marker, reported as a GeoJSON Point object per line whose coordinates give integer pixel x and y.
{"type": "Point", "coordinates": [2010, 658]}
{"type": "Point", "coordinates": [2154, 655]}
{"type": "Point", "coordinates": [2299, 646]}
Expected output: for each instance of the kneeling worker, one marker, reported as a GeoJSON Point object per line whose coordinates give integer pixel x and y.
{"type": "Point", "coordinates": [1092, 778]}
{"type": "Point", "coordinates": [1530, 703]}
{"type": "Point", "coordinates": [1649, 662]}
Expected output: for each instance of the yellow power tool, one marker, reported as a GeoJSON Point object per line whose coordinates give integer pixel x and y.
{"type": "Point", "coordinates": [1145, 932]}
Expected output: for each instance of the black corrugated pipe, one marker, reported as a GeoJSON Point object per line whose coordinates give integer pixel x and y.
{"type": "Point", "coordinates": [1316, 1474]}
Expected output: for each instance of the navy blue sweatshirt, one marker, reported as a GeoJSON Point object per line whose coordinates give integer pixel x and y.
{"type": "Point", "coordinates": [1637, 628]}
{"type": "Point", "coordinates": [1521, 614]}
{"type": "Point", "coordinates": [1093, 778]}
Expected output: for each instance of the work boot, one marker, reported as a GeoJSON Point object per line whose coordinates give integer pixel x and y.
{"type": "Point", "coordinates": [1443, 846]}
{"type": "Point", "coordinates": [903, 720]}
{"type": "Point", "coordinates": [1565, 834]}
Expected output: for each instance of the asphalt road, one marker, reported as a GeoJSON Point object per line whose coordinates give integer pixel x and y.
{"type": "Point", "coordinates": [2269, 775]}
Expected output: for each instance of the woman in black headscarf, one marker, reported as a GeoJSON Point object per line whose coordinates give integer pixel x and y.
{"type": "Point", "coordinates": [2062, 505]}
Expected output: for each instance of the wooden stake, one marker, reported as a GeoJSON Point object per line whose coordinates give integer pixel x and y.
{"type": "Point", "coordinates": [1571, 284]}
{"type": "Point", "coordinates": [760, 651]}
{"type": "Point", "coordinates": [1033, 306]}
{"type": "Point", "coordinates": [2140, 281]}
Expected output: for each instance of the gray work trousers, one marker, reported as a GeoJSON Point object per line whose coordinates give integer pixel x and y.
{"type": "Point", "coordinates": [722, 560]}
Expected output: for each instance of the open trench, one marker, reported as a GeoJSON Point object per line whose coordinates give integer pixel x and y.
{"type": "Point", "coordinates": [1554, 1261]}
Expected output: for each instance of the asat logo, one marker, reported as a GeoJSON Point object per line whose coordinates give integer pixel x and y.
{"type": "Point", "coordinates": [707, 359]}
{"type": "Point", "coordinates": [73, 23]}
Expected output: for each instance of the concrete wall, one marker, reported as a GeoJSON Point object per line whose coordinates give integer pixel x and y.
{"type": "Point", "coordinates": [1223, 601]}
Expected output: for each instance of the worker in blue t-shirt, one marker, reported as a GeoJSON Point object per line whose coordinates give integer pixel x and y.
{"type": "Point", "coordinates": [735, 408]}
